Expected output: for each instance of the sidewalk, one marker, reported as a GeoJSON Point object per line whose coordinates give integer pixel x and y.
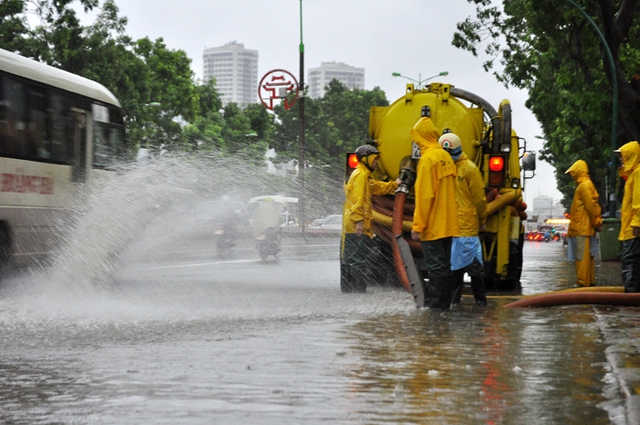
{"type": "Point", "coordinates": [620, 327]}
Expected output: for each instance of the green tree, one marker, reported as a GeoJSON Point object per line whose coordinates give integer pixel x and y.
{"type": "Point", "coordinates": [549, 48]}
{"type": "Point", "coordinates": [335, 124]}
{"type": "Point", "coordinates": [261, 121]}
{"type": "Point", "coordinates": [138, 72]}
{"type": "Point", "coordinates": [171, 83]}
{"type": "Point", "coordinates": [13, 25]}
{"type": "Point", "coordinates": [205, 133]}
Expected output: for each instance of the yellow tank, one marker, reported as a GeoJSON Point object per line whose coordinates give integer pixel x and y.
{"type": "Point", "coordinates": [389, 125]}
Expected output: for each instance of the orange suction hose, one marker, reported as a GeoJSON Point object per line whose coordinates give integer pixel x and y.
{"type": "Point", "coordinates": [573, 298]}
{"type": "Point", "coordinates": [396, 229]}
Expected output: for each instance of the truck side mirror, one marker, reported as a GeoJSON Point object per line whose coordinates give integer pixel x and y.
{"type": "Point", "coordinates": [529, 161]}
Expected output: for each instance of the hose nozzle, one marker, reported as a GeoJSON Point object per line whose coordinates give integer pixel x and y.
{"type": "Point", "coordinates": [408, 177]}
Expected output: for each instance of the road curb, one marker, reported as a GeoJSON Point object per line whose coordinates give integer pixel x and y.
{"type": "Point", "coordinates": [623, 355]}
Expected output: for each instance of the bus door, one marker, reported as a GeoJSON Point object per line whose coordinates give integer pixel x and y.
{"type": "Point", "coordinates": [78, 139]}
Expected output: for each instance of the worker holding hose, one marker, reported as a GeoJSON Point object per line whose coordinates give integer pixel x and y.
{"type": "Point", "coordinates": [358, 217]}
{"type": "Point", "coordinates": [585, 221]}
{"type": "Point", "coordinates": [630, 216]}
{"type": "Point", "coordinates": [435, 218]}
{"type": "Point", "coordinates": [466, 250]}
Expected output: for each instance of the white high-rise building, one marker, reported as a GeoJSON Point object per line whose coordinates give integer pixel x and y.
{"type": "Point", "coordinates": [545, 207]}
{"type": "Point", "coordinates": [318, 78]}
{"type": "Point", "coordinates": [235, 70]}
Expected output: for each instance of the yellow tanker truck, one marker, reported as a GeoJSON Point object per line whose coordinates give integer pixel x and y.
{"type": "Point", "coordinates": [488, 140]}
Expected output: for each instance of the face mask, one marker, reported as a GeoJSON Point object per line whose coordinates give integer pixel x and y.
{"type": "Point", "coordinates": [455, 153]}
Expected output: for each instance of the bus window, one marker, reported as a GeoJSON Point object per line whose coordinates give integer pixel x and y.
{"type": "Point", "coordinates": [15, 105]}
{"type": "Point", "coordinates": [108, 139]}
{"type": "Point", "coordinates": [38, 144]}
{"type": "Point", "coordinates": [107, 145]}
{"type": "Point", "coordinates": [4, 124]}
{"type": "Point", "coordinates": [59, 123]}
{"type": "Point", "coordinates": [79, 141]}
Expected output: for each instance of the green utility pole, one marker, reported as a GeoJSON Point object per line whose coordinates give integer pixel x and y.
{"type": "Point", "coordinates": [301, 170]}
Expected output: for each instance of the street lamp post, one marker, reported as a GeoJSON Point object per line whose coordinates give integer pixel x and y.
{"type": "Point", "coordinates": [419, 82]}
{"type": "Point", "coordinates": [146, 105]}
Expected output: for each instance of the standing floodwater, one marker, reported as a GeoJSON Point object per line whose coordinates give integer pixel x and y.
{"type": "Point", "coordinates": [153, 327]}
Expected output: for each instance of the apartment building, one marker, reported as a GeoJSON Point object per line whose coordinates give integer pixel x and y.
{"type": "Point", "coordinates": [318, 78]}
{"type": "Point", "coordinates": [235, 70]}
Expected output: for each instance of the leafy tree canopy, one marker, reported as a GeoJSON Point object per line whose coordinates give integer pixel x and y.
{"type": "Point", "coordinates": [551, 50]}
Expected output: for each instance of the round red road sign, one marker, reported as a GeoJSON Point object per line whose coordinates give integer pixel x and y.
{"type": "Point", "coordinates": [278, 85]}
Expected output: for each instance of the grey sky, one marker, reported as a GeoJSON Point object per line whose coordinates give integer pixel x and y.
{"type": "Point", "coordinates": [412, 37]}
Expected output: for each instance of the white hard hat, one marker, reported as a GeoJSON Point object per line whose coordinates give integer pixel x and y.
{"type": "Point", "coordinates": [450, 141]}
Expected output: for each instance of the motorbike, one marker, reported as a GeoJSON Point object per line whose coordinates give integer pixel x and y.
{"type": "Point", "coordinates": [268, 243]}
{"type": "Point", "coordinates": [225, 240]}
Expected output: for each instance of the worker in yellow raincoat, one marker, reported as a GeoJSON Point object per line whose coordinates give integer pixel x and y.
{"type": "Point", "coordinates": [435, 218]}
{"type": "Point", "coordinates": [630, 217]}
{"type": "Point", "coordinates": [585, 221]}
{"type": "Point", "coordinates": [466, 249]}
{"type": "Point", "coordinates": [357, 219]}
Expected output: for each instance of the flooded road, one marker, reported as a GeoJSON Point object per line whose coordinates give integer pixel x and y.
{"type": "Point", "coordinates": [179, 336]}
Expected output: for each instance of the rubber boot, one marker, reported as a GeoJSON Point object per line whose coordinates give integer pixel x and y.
{"type": "Point", "coordinates": [439, 290]}
{"type": "Point", "coordinates": [458, 283]}
{"type": "Point", "coordinates": [631, 278]}
{"type": "Point", "coordinates": [352, 279]}
{"type": "Point", "coordinates": [479, 290]}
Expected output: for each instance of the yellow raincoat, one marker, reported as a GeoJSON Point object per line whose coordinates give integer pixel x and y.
{"type": "Point", "coordinates": [585, 210]}
{"type": "Point", "coordinates": [472, 203]}
{"type": "Point", "coordinates": [358, 191]}
{"type": "Point", "coordinates": [585, 219]}
{"type": "Point", "coordinates": [436, 211]}
{"type": "Point", "coordinates": [630, 210]}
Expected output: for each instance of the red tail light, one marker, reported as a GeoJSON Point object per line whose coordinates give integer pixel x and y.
{"type": "Point", "coordinates": [496, 163]}
{"type": "Point", "coordinates": [351, 162]}
{"type": "Point", "coordinates": [496, 171]}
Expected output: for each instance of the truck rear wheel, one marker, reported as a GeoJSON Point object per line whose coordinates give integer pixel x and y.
{"type": "Point", "coordinates": [514, 270]}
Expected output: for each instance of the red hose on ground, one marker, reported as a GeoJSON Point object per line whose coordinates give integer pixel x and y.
{"type": "Point", "coordinates": [572, 298]}
{"type": "Point", "coordinates": [396, 229]}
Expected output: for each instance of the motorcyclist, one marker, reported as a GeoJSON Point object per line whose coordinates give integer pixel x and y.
{"type": "Point", "coordinates": [266, 222]}
{"type": "Point", "coordinates": [357, 218]}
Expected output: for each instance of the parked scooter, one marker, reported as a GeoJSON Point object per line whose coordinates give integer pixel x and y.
{"type": "Point", "coordinates": [268, 242]}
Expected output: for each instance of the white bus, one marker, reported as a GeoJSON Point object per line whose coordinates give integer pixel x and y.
{"type": "Point", "coordinates": [57, 130]}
